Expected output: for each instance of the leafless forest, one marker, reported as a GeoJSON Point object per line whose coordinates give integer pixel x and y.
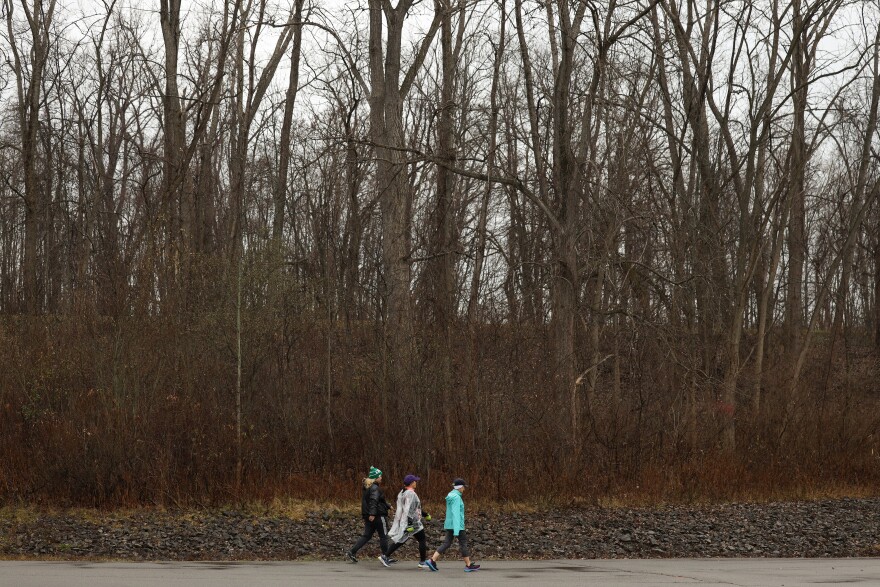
{"type": "Point", "coordinates": [567, 248]}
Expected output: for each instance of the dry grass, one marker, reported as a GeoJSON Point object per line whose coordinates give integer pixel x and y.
{"type": "Point", "coordinates": [298, 509]}
{"type": "Point", "coordinates": [647, 499]}
{"type": "Point", "coordinates": [19, 514]}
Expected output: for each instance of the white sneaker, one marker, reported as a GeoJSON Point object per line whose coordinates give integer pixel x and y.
{"type": "Point", "coordinates": [424, 565]}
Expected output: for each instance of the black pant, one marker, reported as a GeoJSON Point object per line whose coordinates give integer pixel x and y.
{"type": "Point", "coordinates": [377, 525]}
{"type": "Point", "coordinates": [423, 547]}
{"type": "Point", "coordinates": [462, 543]}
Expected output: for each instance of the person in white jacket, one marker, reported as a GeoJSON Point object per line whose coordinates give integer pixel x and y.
{"type": "Point", "coordinates": [408, 522]}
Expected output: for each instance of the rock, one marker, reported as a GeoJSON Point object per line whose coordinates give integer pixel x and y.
{"type": "Point", "coordinates": [833, 528]}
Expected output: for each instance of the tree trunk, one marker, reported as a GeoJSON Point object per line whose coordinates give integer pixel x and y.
{"type": "Point", "coordinates": [797, 244]}
{"type": "Point", "coordinates": [492, 131]}
{"type": "Point", "coordinates": [386, 95]}
{"type": "Point", "coordinates": [440, 269]}
{"type": "Point", "coordinates": [29, 85]}
{"type": "Point", "coordinates": [877, 288]}
{"type": "Point", "coordinates": [173, 127]}
{"type": "Point", "coordinates": [280, 193]}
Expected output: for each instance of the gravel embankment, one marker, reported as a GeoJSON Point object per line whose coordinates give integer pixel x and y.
{"type": "Point", "coordinates": [831, 528]}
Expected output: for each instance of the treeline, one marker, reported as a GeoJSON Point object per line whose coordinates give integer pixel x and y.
{"type": "Point", "coordinates": [562, 248]}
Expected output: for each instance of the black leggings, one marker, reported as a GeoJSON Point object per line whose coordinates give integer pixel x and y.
{"type": "Point", "coordinates": [423, 547]}
{"type": "Point", "coordinates": [377, 525]}
{"type": "Point", "coordinates": [462, 543]}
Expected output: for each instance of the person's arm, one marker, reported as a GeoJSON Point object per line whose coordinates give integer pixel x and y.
{"type": "Point", "coordinates": [461, 515]}
{"type": "Point", "coordinates": [408, 507]}
{"type": "Point", "coordinates": [372, 502]}
{"type": "Point", "coordinates": [384, 507]}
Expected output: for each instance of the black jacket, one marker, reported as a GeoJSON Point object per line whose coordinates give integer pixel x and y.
{"type": "Point", "coordinates": [373, 502]}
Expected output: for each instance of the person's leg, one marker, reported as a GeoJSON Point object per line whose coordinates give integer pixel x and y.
{"type": "Point", "coordinates": [394, 546]}
{"type": "Point", "coordinates": [383, 536]}
{"type": "Point", "coordinates": [463, 547]}
{"type": "Point", "coordinates": [423, 546]}
{"type": "Point", "coordinates": [369, 529]}
{"type": "Point", "coordinates": [447, 542]}
{"type": "Point", "coordinates": [465, 553]}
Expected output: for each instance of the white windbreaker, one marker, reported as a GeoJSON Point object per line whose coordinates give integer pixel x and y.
{"type": "Point", "coordinates": [408, 514]}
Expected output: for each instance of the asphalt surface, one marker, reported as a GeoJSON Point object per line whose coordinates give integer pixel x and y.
{"type": "Point", "coordinates": [752, 571]}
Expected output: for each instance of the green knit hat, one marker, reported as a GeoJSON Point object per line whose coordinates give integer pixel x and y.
{"type": "Point", "coordinates": [374, 473]}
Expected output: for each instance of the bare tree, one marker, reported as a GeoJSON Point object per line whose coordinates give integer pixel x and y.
{"type": "Point", "coordinates": [179, 149]}
{"type": "Point", "coordinates": [389, 85]}
{"type": "Point", "coordinates": [29, 65]}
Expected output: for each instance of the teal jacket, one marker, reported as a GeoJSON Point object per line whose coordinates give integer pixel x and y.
{"type": "Point", "coordinates": [454, 512]}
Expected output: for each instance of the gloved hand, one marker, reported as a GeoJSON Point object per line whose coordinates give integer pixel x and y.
{"type": "Point", "coordinates": [427, 517]}
{"type": "Point", "coordinates": [410, 529]}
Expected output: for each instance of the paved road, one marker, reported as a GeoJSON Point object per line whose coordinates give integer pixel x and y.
{"type": "Point", "coordinates": [763, 572]}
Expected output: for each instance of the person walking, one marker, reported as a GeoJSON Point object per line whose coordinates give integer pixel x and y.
{"type": "Point", "coordinates": [454, 526]}
{"type": "Point", "coordinates": [408, 522]}
{"type": "Point", "coordinates": [374, 510]}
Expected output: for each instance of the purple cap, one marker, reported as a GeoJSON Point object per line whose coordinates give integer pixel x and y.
{"type": "Point", "coordinates": [410, 478]}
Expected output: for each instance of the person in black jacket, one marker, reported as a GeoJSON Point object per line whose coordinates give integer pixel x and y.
{"type": "Point", "coordinates": [374, 510]}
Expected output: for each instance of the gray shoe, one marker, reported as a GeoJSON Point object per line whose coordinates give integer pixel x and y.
{"type": "Point", "coordinates": [350, 556]}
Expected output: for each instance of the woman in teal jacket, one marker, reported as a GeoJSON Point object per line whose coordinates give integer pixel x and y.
{"type": "Point", "coordinates": [454, 526]}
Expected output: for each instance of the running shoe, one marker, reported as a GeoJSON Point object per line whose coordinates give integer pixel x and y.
{"type": "Point", "coordinates": [350, 556]}
{"type": "Point", "coordinates": [424, 565]}
{"type": "Point", "coordinates": [431, 564]}
{"type": "Point", "coordinates": [471, 568]}
{"type": "Point", "coordinates": [384, 560]}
